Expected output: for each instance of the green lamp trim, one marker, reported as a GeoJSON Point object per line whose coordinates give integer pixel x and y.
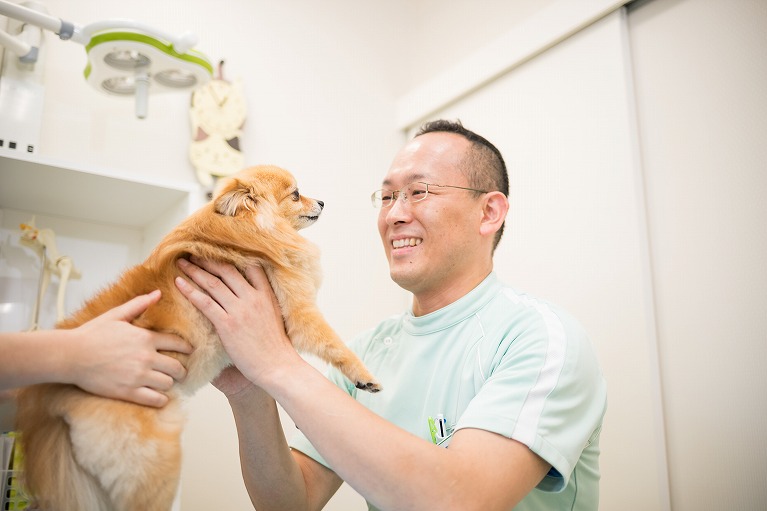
{"type": "Point", "coordinates": [192, 57]}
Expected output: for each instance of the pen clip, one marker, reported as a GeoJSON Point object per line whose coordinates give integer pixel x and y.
{"type": "Point", "coordinates": [438, 429]}
{"type": "Point", "coordinates": [433, 430]}
{"type": "Point", "coordinates": [441, 424]}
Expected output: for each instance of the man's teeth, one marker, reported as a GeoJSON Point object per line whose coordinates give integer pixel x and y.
{"type": "Point", "coordinates": [406, 242]}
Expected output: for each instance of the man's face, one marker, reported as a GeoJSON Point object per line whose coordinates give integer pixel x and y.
{"type": "Point", "coordinates": [430, 242]}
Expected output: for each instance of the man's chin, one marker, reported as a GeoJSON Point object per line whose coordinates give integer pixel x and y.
{"type": "Point", "coordinates": [407, 280]}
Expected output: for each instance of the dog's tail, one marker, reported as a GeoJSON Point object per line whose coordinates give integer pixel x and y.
{"type": "Point", "coordinates": [51, 472]}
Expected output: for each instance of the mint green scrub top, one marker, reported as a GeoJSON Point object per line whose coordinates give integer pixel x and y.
{"type": "Point", "coordinates": [500, 361]}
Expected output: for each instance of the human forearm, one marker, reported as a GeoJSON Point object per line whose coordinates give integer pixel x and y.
{"type": "Point", "coordinates": [273, 479]}
{"type": "Point", "coordinates": [33, 357]}
{"type": "Point", "coordinates": [395, 469]}
{"type": "Point", "coordinates": [369, 453]}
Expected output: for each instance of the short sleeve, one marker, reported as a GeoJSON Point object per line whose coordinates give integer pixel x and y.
{"type": "Point", "coordinates": [545, 390]}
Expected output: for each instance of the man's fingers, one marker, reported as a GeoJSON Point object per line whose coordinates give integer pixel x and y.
{"type": "Point", "coordinates": [258, 279]}
{"type": "Point", "coordinates": [223, 272]}
{"type": "Point", "coordinates": [206, 280]}
{"type": "Point", "coordinates": [202, 301]}
{"type": "Point", "coordinates": [257, 276]}
{"type": "Point", "coordinates": [225, 285]}
{"type": "Point", "coordinates": [205, 273]}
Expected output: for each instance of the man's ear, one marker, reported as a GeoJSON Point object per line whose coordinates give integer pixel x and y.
{"type": "Point", "coordinates": [495, 208]}
{"type": "Point", "coordinates": [232, 201]}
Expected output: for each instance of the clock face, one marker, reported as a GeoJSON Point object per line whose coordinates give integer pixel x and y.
{"type": "Point", "coordinates": [219, 107]}
{"type": "Point", "coordinates": [215, 156]}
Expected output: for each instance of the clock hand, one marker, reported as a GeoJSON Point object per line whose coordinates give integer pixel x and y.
{"type": "Point", "coordinates": [220, 103]}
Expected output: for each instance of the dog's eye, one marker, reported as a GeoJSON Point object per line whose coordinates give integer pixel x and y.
{"type": "Point", "coordinates": [296, 196]}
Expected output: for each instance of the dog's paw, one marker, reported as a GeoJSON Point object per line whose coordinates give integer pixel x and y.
{"type": "Point", "coordinates": [370, 386]}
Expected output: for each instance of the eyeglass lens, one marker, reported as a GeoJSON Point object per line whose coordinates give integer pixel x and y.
{"type": "Point", "coordinates": [413, 192]}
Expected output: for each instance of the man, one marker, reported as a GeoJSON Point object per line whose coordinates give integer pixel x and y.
{"type": "Point", "coordinates": [492, 399]}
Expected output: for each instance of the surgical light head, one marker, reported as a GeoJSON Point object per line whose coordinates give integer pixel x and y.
{"type": "Point", "coordinates": [125, 58]}
{"type": "Point", "coordinates": [130, 63]}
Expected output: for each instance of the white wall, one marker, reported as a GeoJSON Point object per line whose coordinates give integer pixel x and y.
{"type": "Point", "coordinates": [444, 34]}
{"type": "Point", "coordinates": [700, 74]}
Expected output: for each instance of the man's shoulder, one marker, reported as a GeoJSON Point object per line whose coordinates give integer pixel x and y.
{"type": "Point", "coordinates": [516, 311]}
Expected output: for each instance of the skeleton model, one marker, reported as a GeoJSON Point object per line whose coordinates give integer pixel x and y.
{"type": "Point", "coordinates": [43, 242]}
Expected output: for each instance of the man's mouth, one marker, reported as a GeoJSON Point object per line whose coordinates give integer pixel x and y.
{"type": "Point", "coordinates": [406, 242]}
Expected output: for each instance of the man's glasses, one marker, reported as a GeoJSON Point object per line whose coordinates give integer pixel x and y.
{"type": "Point", "coordinates": [414, 192]}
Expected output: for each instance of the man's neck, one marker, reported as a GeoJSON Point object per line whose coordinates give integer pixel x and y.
{"type": "Point", "coordinates": [429, 301]}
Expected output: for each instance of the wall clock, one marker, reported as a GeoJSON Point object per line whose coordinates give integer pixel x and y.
{"type": "Point", "coordinates": [217, 114]}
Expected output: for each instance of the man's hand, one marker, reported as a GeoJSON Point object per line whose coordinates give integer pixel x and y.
{"type": "Point", "coordinates": [246, 315]}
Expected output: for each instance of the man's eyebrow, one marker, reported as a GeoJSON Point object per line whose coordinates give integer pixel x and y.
{"type": "Point", "coordinates": [411, 178]}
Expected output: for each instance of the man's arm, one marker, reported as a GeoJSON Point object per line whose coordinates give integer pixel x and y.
{"type": "Point", "coordinates": [274, 478]}
{"type": "Point", "coordinates": [387, 465]}
{"type": "Point", "coordinates": [395, 469]}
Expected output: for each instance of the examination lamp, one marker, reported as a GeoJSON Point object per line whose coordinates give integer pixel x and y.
{"type": "Point", "coordinates": [125, 57]}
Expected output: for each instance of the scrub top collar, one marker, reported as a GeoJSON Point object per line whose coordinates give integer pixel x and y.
{"type": "Point", "coordinates": [452, 314]}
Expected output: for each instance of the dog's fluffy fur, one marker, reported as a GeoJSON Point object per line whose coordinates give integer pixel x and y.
{"type": "Point", "coordinates": [85, 452]}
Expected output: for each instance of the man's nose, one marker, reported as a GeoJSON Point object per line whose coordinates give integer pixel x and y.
{"type": "Point", "coordinates": [398, 211]}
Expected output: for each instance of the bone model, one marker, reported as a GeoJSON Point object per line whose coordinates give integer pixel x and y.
{"type": "Point", "coordinates": [43, 242]}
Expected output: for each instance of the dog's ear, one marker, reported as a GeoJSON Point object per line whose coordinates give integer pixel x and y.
{"type": "Point", "coordinates": [233, 200]}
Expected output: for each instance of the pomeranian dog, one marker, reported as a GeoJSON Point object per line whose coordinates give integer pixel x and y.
{"type": "Point", "coordinates": [88, 453]}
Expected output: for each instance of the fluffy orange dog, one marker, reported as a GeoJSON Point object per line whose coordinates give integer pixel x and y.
{"type": "Point", "coordinates": [85, 452]}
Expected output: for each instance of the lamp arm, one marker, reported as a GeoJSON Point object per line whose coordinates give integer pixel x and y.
{"type": "Point", "coordinates": [17, 46]}
{"type": "Point", "coordinates": [64, 29]}
{"type": "Point", "coordinates": [67, 30]}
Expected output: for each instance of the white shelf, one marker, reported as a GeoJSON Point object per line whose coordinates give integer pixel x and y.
{"type": "Point", "coordinates": [65, 190]}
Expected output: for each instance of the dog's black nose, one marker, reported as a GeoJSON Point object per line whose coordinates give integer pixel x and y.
{"type": "Point", "coordinates": [322, 204]}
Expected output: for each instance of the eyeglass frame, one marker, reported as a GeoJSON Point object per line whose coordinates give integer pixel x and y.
{"type": "Point", "coordinates": [396, 194]}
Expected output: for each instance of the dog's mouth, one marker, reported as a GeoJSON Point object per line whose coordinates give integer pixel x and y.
{"type": "Point", "coordinates": [312, 218]}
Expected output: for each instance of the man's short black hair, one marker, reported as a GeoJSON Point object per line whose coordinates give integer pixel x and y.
{"type": "Point", "coordinates": [483, 165]}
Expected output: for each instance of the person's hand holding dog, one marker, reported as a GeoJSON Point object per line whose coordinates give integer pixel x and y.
{"type": "Point", "coordinates": [234, 304]}
{"type": "Point", "coordinates": [107, 356]}
{"type": "Point", "coordinates": [119, 360]}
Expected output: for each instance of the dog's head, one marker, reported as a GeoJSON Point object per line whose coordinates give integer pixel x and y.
{"type": "Point", "coordinates": [268, 193]}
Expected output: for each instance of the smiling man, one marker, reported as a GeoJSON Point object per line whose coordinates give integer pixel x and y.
{"type": "Point", "coordinates": [492, 399]}
{"type": "Point", "coordinates": [442, 250]}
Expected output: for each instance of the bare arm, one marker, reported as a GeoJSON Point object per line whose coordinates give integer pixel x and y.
{"type": "Point", "coordinates": [276, 478]}
{"type": "Point", "coordinates": [387, 465]}
{"type": "Point", "coordinates": [106, 356]}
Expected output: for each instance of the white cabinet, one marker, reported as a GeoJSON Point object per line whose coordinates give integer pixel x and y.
{"type": "Point", "coordinates": [105, 222]}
